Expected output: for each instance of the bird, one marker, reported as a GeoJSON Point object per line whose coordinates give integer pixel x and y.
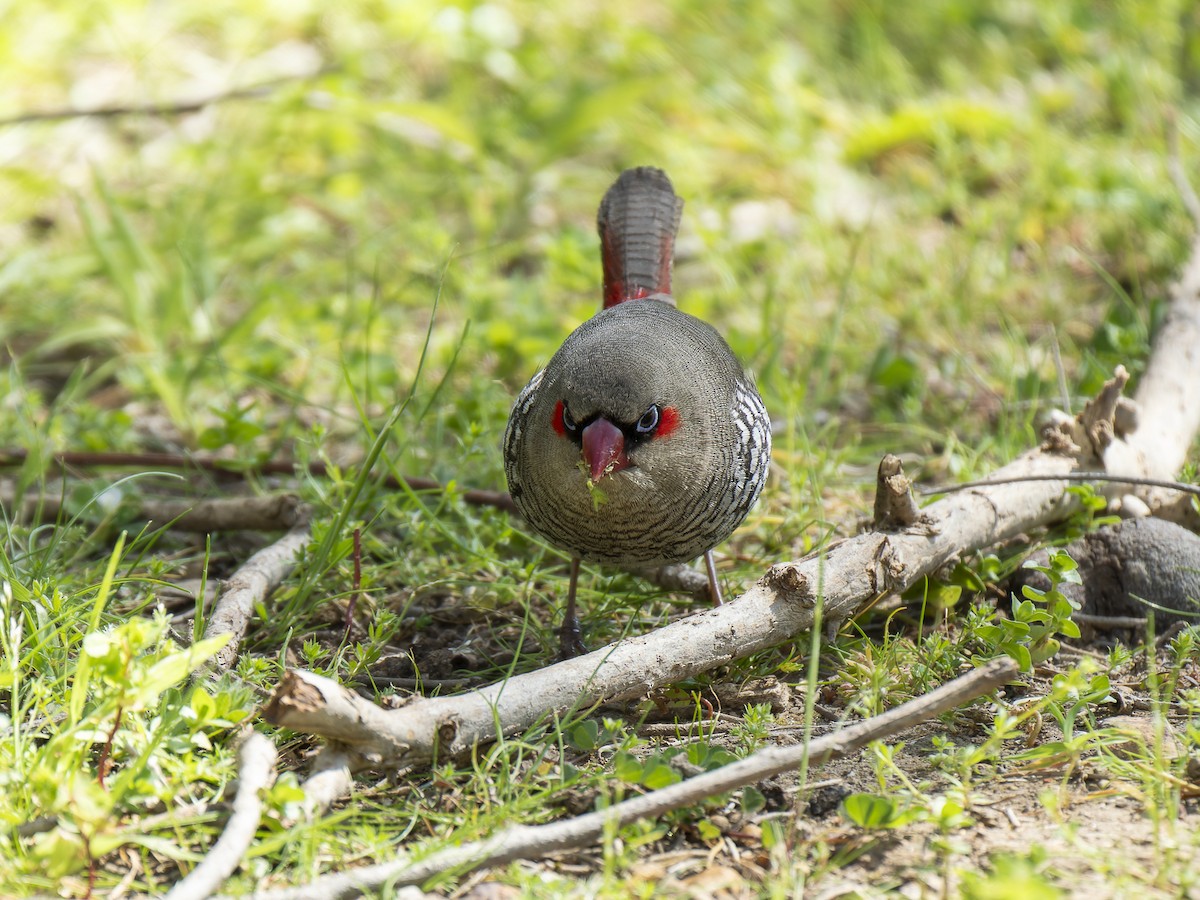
{"type": "Point", "coordinates": [642, 442]}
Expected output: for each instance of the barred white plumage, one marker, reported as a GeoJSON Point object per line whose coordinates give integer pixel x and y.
{"type": "Point", "coordinates": [642, 442]}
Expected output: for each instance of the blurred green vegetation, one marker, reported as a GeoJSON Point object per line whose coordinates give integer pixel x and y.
{"type": "Point", "coordinates": [917, 223]}
{"type": "Point", "coordinates": [930, 189]}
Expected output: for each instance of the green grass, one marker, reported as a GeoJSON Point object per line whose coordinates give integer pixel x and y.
{"type": "Point", "coordinates": [902, 217]}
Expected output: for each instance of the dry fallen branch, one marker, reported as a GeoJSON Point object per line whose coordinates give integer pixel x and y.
{"type": "Point", "coordinates": [271, 512]}
{"type": "Point", "coordinates": [255, 772]}
{"type": "Point", "coordinates": [779, 607]}
{"type": "Point", "coordinates": [1167, 402]}
{"type": "Point", "coordinates": [329, 779]}
{"type": "Point", "coordinates": [525, 841]}
{"type": "Point", "coordinates": [233, 469]}
{"type": "Point", "coordinates": [250, 584]}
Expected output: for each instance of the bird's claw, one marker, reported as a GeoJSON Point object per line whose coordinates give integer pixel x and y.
{"type": "Point", "coordinates": [570, 642]}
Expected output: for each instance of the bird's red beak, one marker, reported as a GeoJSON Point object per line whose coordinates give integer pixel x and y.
{"type": "Point", "coordinates": [604, 448]}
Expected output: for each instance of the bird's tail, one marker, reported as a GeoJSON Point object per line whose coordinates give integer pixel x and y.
{"type": "Point", "coordinates": [638, 219]}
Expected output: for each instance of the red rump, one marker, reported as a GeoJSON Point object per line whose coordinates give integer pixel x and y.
{"type": "Point", "coordinates": [556, 419]}
{"type": "Point", "coordinates": [615, 293]}
{"type": "Point", "coordinates": [668, 421]}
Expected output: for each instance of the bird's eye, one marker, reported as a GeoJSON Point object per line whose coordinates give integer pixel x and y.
{"type": "Point", "coordinates": [649, 420]}
{"type": "Point", "coordinates": [568, 423]}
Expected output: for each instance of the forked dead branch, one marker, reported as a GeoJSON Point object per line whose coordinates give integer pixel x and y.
{"type": "Point", "coordinates": [782, 605]}
{"type": "Point", "coordinates": [526, 841]}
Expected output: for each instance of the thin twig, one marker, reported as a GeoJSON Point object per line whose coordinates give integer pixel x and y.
{"type": "Point", "coordinates": [688, 730]}
{"type": "Point", "coordinates": [1180, 486]}
{"type": "Point", "coordinates": [104, 763]}
{"type": "Point", "coordinates": [356, 586]}
{"type": "Point", "coordinates": [171, 108]}
{"type": "Point", "coordinates": [1109, 623]}
{"type": "Point", "coordinates": [233, 469]}
{"type": "Point", "coordinates": [255, 772]}
{"type": "Point", "coordinates": [526, 841]}
{"type": "Point", "coordinates": [131, 875]}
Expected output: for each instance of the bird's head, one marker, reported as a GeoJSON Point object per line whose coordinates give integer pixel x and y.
{"type": "Point", "coordinates": [627, 411]}
{"type": "Point", "coordinates": [611, 436]}
{"type": "Point", "coordinates": [634, 407]}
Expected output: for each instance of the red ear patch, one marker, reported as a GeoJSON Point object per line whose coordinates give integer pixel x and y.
{"type": "Point", "coordinates": [556, 419]}
{"type": "Point", "coordinates": [668, 421]}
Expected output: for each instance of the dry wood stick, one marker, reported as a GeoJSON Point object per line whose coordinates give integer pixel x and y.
{"type": "Point", "coordinates": [1167, 402]}
{"type": "Point", "coordinates": [329, 779]}
{"type": "Point", "coordinates": [526, 841]}
{"type": "Point", "coordinates": [256, 771]}
{"type": "Point", "coordinates": [232, 468]}
{"type": "Point", "coordinates": [250, 584]}
{"type": "Point", "coordinates": [780, 606]}
{"type": "Point", "coordinates": [270, 512]}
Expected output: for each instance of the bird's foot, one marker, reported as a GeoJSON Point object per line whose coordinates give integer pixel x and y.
{"type": "Point", "coordinates": [570, 641]}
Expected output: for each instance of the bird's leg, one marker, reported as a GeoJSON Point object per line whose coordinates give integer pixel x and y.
{"type": "Point", "coordinates": [714, 589]}
{"type": "Point", "coordinates": [570, 637]}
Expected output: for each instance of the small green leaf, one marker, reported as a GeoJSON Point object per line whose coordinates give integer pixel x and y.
{"type": "Point", "coordinates": [753, 800]}
{"type": "Point", "coordinates": [61, 852]}
{"type": "Point", "coordinates": [873, 811]}
{"type": "Point", "coordinates": [585, 735]}
{"type": "Point", "coordinates": [1020, 653]}
{"type": "Point", "coordinates": [627, 767]}
{"type": "Point", "coordinates": [658, 774]}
